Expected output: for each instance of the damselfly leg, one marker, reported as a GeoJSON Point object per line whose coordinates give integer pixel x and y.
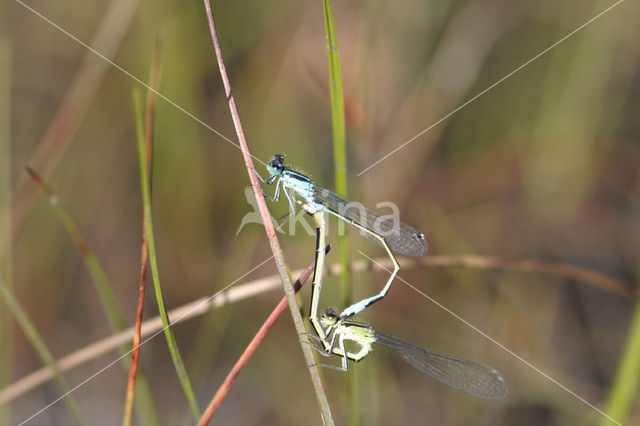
{"type": "Point", "coordinates": [391, 234]}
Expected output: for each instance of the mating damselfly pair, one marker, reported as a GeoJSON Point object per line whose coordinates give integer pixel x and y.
{"type": "Point", "coordinates": [333, 330]}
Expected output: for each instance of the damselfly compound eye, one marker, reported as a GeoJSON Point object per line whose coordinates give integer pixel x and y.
{"type": "Point", "coordinates": [277, 162]}
{"type": "Point", "coordinates": [330, 316]}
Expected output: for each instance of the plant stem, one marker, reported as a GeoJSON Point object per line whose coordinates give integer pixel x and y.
{"type": "Point", "coordinates": [283, 270]}
{"type": "Point", "coordinates": [168, 331]}
{"type": "Point", "coordinates": [154, 81]}
{"type": "Point", "coordinates": [340, 174]}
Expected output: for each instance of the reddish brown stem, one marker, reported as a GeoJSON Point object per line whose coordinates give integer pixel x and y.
{"type": "Point", "coordinates": [154, 81]}
{"type": "Point", "coordinates": [251, 347]}
{"type": "Point", "coordinates": [283, 270]}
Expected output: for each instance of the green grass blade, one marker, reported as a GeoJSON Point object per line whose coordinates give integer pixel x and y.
{"type": "Point", "coordinates": [339, 138]}
{"type": "Point", "coordinates": [337, 102]}
{"type": "Point", "coordinates": [340, 174]}
{"type": "Point", "coordinates": [146, 201]}
{"type": "Point", "coordinates": [137, 382]}
{"type": "Point", "coordinates": [45, 355]}
{"type": "Point", "coordinates": [147, 413]}
{"type": "Point", "coordinates": [626, 384]}
{"type": "Point", "coordinates": [6, 254]}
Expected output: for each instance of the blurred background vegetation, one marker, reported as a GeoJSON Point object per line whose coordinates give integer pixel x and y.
{"type": "Point", "coordinates": [544, 166]}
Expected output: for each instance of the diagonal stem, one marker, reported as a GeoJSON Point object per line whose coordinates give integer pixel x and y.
{"type": "Point", "coordinates": [283, 270]}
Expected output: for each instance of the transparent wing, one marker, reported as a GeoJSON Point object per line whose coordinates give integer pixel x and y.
{"type": "Point", "coordinates": [401, 238]}
{"type": "Point", "coordinates": [466, 376]}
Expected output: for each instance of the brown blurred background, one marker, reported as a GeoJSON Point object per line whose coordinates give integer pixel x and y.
{"type": "Point", "coordinates": [543, 166]}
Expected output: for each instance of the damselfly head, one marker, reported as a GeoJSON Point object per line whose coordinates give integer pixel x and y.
{"type": "Point", "coordinates": [329, 317]}
{"type": "Point", "coordinates": [276, 166]}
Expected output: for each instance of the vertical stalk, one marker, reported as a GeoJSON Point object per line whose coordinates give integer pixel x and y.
{"type": "Point", "coordinates": [178, 364]}
{"type": "Point", "coordinates": [340, 175]}
{"type": "Point", "coordinates": [150, 109]}
{"type": "Point", "coordinates": [339, 139]}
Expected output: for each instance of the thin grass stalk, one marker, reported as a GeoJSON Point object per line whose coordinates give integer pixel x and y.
{"type": "Point", "coordinates": [168, 331]}
{"type": "Point", "coordinates": [252, 346]}
{"type": "Point", "coordinates": [32, 334]}
{"type": "Point", "coordinates": [154, 81]}
{"type": "Point", "coordinates": [283, 269]}
{"type": "Point", "coordinates": [626, 384]}
{"type": "Point", "coordinates": [146, 413]}
{"type": "Point", "coordinates": [340, 175]}
{"type": "Point", "coordinates": [339, 139]}
{"type": "Point", "coordinates": [6, 252]}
